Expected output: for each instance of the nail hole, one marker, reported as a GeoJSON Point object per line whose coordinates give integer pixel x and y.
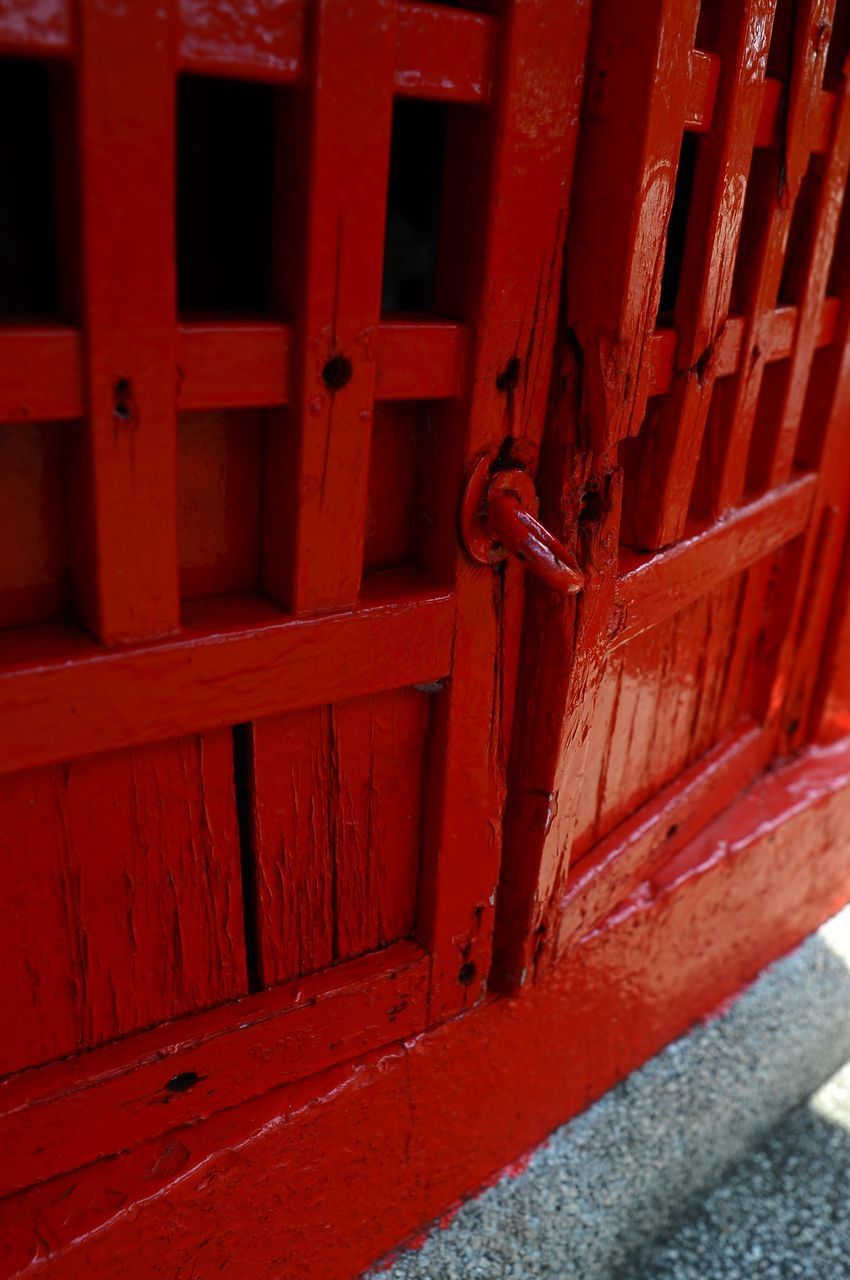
{"type": "Point", "coordinates": [337, 373]}
{"type": "Point", "coordinates": [671, 830]}
{"type": "Point", "coordinates": [185, 1080]}
{"type": "Point", "coordinates": [122, 400]}
{"type": "Point", "coordinates": [509, 377]}
{"type": "Point", "coordinates": [467, 974]}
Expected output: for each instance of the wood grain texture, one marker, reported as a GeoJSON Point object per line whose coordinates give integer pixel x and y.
{"type": "Point", "coordinates": [234, 660]}
{"type": "Point", "coordinates": [126, 523]}
{"type": "Point", "coordinates": [149, 1083]}
{"type": "Point", "coordinates": [122, 892]}
{"type": "Point", "coordinates": [337, 818]}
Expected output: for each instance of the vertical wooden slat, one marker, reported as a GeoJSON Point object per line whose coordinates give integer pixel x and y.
{"type": "Point", "coordinates": [128, 569]}
{"type": "Point", "coordinates": [501, 274]}
{"type": "Point", "coordinates": [332, 266]}
{"type": "Point", "coordinates": [293, 859]}
{"type": "Point", "coordinates": [337, 818]}
{"type": "Point", "coordinates": [121, 875]}
{"type": "Point", "coordinates": [639, 64]}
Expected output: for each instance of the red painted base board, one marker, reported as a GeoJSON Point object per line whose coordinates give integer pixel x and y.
{"type": "Point", "coordinates": [322, 1178]}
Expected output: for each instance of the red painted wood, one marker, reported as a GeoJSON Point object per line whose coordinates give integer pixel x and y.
{"type": "Point", "coordinates": [313, 555]}
{"type": "Point", "coordinates": [122, 892]}
{"type": "Point", "coordinates": [337, 813]}
{"type": "Point", "coordinates": [127, 516]}
{"type": "Point", "coordinates": [347, 764]}
{"type": "Point", "coordinates": [219, 502]}
{"type": "Point", "coordinates": [145, 1082]}
{"type": "Point", "coordinates": [322, 1177]}
{"type": "Point", "coordinates": [231, 663]}
{"type": "Point", "coordinates": [226, 364]}
{"type": "Point", "coordinates": [658, 509]}
{"type": "Point", "coordinates": [34, 567]}
{"type": "Point", "coordinates": [498, 170]}
{"type": "Point", "coordinates": [439, 53]}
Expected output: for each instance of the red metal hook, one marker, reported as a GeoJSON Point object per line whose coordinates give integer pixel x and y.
{"type": "Point", "coordinates": [499, 518]}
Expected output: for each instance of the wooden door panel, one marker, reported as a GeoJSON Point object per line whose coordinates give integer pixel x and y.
{"type": "Point", "coordinates": [666, 697]}
{"type": "Point", "coordinates": [696, 461]}
{"type": "Point", "coordinates": [262, 561]}
{"type": "Point", "coordinates": [122, 895]}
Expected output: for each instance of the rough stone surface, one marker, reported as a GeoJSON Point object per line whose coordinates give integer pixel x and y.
{"type": "Point", "coordinates": [617, 1177]}
{"type": "Point", "coordinates": [782, 1212]}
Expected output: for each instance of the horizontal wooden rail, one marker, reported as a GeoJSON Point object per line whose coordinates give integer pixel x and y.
{"type": "Point", "coordinates": [236, 661]}
{"type": "Point", "coordinates": [184, 1071]}
{"type": "Point", "coordinates": [776, 340]}
{"type": "Point", "coordinates": [224, 365]}
{"type": "Point", "coordinates": [442, 53]}
{"type": "Point", "coordinates": [653, 587]}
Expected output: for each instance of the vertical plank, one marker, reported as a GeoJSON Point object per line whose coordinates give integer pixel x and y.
{"type": "Point", "coordinates": [639, 76]}
{"type": "Point", "coordinates": [331, 260]}
{"type": "Point", "coordinates": [639, 71]}
{"type": "Point", "coordinates": [122, 874]}
{"type": "Point", "coordinates": [507, 185]}
{"type": "Point", "coordinates": [293, 860]}
{"type": "Point", "coordinates": [128, 525]}
{"type": "Point", "coordinates": [380, 746]}
{"type": "Point", "coordinates": [337, 822]}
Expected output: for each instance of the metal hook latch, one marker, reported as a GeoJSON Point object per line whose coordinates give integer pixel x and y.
{"type": "Point", "coordinates": [499, 518]}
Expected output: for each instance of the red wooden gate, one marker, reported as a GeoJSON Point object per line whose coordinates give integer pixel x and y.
{"type": "Point", "coordinates": [283, 275]}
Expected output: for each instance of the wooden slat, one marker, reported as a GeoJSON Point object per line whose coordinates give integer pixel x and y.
{"type": "Point", "coordinates": [248, 41]}
{"type": "Point", "coordinates": [443, 53]}
{"type": "Point", "coordinates": [653, 587]}
{"type": "Point", "coordinates": [40, 374]}
{"type": "Point", "coordinates": [225, 364]}
{"type": "Point", "coordinates": [39, 28]}
{"type": "Point", "coordinates": [644, 67]}
{"type": "Point", "coordinates": [657, 508]}
{"type": "Point", "coordinates": [313, 556]}
{"type": "Point", "coordinates": [638, 79]}
{"type": "Point", "coordinates": [505, 225]}
{"type": "Point", "coordinates": [122, 889]}
{"type": "Point", "coordinates": [337, 807]}
{"type": "Point", "coordinates": [776, 454]}
{"type": "Point", "coordinates": [420, 360]}
{"type": "Point", "coordinates": [227, 667]}
{"type": "Point", "coordinates": [128, 527]}
{"type": "Point", "coordinates": [234, 1053]}
{"type": "Point", "coordinates": [699, 109]}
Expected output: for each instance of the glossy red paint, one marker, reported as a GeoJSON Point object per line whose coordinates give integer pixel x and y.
{"type": "Point", "coordinates": [322, 1177]}
{"type": "Point", "coordinates": [339, 864]}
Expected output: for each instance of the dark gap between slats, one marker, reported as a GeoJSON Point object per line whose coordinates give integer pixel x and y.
{"type": "Point", "coordinates": [677, 228]}
{"type": "Point", "coordinates": [414, 197]}
{"type": "Point", "coordinates": [225, 192]}
{"type": "Point", "coordinates": [243, 787]}
{"type": "Point", "coordinates": [29, 276]}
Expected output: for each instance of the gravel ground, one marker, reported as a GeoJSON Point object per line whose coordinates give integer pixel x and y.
{"type": "Point", "coordinates": [620, 1176]}
{"type": "Point", "coordinates": [783, 1212]}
